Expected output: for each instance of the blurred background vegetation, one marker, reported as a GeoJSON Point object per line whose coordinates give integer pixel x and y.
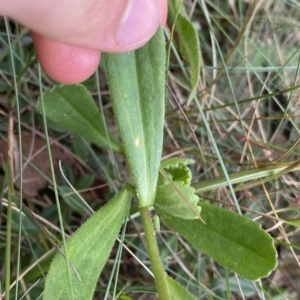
{"type": "Point", "coordinates": [248, 90]}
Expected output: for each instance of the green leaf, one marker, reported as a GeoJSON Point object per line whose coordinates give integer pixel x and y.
{"type": "Point", "coordinates": [189, 43]}
{"type": "Point", "coordinates": [234, 241]}
{"type": "Point", "coordinates": [174, 194]}
{"type": "Point", "coordinates": [73, 200]}
{"type": "Point", "coordinates": [156, 223]}
{"type": "Point", "coordinates": [177, 169]}
{"type": "Point", "coordinates": [177, 291]}
{"type": "Point", "coordinates": [178, 200]}
{"type": "Point", "coordinates": [80, 148]}
{"type": "Point", "coordinates": [73, 108]}
{"type": "Point", "coordinates": [241, 287]}
{"type": "Point", "coordinates": [136, 81]}
{"type": "Point", "coordinates": [88, 251]}
{"type": "Point", "coordinates": [84, 182]}
{"type": "Point", "coordinates": [175, 7]}
{"type": "Point", "coordinates": [176, 162]}
{"type": "Point", "coordinates": [294, 222]}
{"type": "Point", "coordinates": [190, 49]}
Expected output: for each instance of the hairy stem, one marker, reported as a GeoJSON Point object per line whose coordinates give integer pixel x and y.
{"type": "Point", "coordinates": [157, 268]}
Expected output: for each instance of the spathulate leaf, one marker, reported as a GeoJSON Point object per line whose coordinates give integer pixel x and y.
{"type": "Point", "coordinates": [73, 108]}
{"type": "Point", "coordinates": [88, 250]}
{"type": "Point", "coordinates": [174, 194]}
{"type": "Point", "coordinates": [176, 162]}
{"type": "Point", "coordinates": [177, 291]}
{"type": "Point", "coordinates": [189, 43]}
{"type": "Point", "coordinates": [177, 169]}
{"type": "Point", "coordinates": [178, 200]}
{"type": "Point", "coordinates": [234, 241]}
{"type": "Point", "coordinates": [136, 80]}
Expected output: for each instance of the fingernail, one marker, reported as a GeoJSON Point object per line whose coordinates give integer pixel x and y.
{"type": "Point", "coordinates": [139, 22]}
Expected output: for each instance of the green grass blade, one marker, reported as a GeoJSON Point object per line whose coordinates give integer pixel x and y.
{"type": "Point", "coordinates": [271, 171]}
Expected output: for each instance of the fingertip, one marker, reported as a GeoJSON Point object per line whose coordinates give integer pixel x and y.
{"type": "Point", "coordinates": [64, 63]}
{"type": "Point", "coordinates": [163, 12]}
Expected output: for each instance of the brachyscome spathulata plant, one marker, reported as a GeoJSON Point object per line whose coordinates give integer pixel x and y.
{"type": "Point", "coordinates": [136, 82]}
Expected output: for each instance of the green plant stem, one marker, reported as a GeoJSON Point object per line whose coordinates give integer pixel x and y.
{"type": "Point", "coordinates": [157, 268]}
{"type": "Point", "coordinates": [8, 247]}
{"type": "Point", "coordinates": [8, 230]}
{"type": "Point", "coordinates": [55, 186]}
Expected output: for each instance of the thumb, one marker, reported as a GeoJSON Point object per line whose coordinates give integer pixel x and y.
{"type": "Point", "coordinates": [103, 25]}
{"type": "Point", "coordinates": [70, 34]}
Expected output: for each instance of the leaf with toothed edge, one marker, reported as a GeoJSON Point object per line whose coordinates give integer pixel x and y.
{"type": "Point", "coordinates": [174, 194]}
{"type": "Point", "coordinates": [234, 241]}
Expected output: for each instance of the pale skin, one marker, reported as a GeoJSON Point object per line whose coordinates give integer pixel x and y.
{"type": "Point", "coordinates": [69, 35]}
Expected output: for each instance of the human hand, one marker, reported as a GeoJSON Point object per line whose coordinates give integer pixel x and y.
{"type": "Point", "coordinates": [69, 35]}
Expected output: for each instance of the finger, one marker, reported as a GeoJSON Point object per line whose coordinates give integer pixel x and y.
{"type": "Point", "coordinates": [104, 25]}
{"type": "Point", "coordinates": [67, 64]}
{"type": "Point", "coordinates": [64, 63]}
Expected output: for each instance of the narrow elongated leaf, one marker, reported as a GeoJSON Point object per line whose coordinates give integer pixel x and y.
{"type": "Point", "coordinates": [234, 241]}
{"type": "Point", "coordinates": [175, 7]}
{"type": "Point", "coordinates": [177, 291]}
{"type": "Point", "coordinates": [88, 249]}
{"type": "Point", "coordinates": [136, 81]}
{"type": "Point", "coordinates": [73, 108]}
{"type": "Point", "coordinates": [188, 42]}
{"type": "Point", "coordinates": [190, 48]}
{"type": "Point", "coordinates": [267, 172]}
